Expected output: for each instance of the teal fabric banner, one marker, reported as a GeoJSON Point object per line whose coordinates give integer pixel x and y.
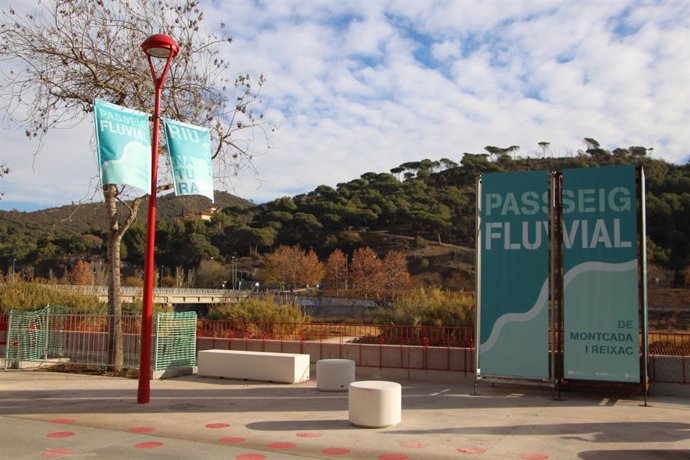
{"type": "Point", "coordinates": [189, 149]}
{"type": "Point", "coordinates": [514, 282]}
{"type": "Point", "coordinates": [601, 297]}
{"type": "Point", "coordinates": [123, 143]}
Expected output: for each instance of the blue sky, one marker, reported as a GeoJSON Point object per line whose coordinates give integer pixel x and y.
{"type": "Point", "coordinates": [358, 86]}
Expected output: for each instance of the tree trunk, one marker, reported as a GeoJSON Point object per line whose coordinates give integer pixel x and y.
{"type": "Point", "coordinates": [115, 351]}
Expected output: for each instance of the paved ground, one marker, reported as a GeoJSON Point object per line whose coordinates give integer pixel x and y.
{"type": "Point", "coordinates": [44, 414]}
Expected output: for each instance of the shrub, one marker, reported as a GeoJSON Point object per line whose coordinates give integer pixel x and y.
{"type": "Point", "coordinates": [258, 310]}
{"type": "Point", "coordinates": [431, 307]}
{"type": "Point", "coordinates": [133, 281]}
{"type": "Point", "coordinates": [35, 296]}
{"type": "Point", "coordinates": [260, 318]}
{"type": "Point", "coordinates": [81, 274]}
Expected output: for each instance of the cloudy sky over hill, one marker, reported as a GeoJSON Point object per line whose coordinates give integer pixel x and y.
{"type": "Point", "coordinates": [361, 86]}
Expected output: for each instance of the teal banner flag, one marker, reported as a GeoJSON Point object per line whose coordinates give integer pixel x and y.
{"type": "Point", "coordinates": [189, 149]}
{"type": "Point", "coordinates": [514, 275]}
{"type": "Point", "coordinates": [600, 266]}
{"type": "Point", "coordinates": [123, 143]}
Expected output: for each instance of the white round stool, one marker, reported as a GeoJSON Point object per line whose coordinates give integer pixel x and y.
{"type": "Point", "coordinates": [374, 403]}
{"type": "Point", "coordinates": [334, 374]}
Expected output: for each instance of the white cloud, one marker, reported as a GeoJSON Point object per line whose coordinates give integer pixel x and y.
{"type": "Point", "coordinates": [446, 49]}
{"type": "Point", "coordinates": [363, 86]}
{"type": "Point", "coordinates": [62, 171]}
{"type": "Point", "coordinates": [368, 37]}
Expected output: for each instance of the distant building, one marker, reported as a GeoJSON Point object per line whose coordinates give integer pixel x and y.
{"type": "Point", "coordinates": [203, 215]}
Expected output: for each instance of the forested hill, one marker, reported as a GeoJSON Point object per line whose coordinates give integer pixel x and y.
{"type": "Point", "coordinates": [407, 208]}
{"type": "Point", "coordinates": [435, 200]}
{"type": "Point", "coordinates": [89, 217]}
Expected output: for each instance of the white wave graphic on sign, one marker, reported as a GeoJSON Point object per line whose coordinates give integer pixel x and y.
{"type": "Point", "coordinates": [597, 267]}
{"type": "Point", "coordinates": [544, 293]}
{"type": "Point", "coordinates": [132, 168]}
{"type": "Point", "coordinates": [517, 317]}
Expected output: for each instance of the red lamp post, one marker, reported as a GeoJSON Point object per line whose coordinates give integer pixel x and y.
{"type": "Point", "coordinates": [159, 46]}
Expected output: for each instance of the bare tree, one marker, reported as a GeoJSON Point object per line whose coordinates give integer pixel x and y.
{"type": "Point", "coordinates": [81, 274]}
{"type": "Point", "coordinates": [67, 53]}
{"type": "Point", "coordinates": [292, 268]}
{"type": "Point", "coordinates": [4, 170]}
{"type": "Point", "coordinates": [336, 271]}
{"type": "Point", "coordinates": [367, 272]}
{"type": "Point", "coordinates": [396, 275]}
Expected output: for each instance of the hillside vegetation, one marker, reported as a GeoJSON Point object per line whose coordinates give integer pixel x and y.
{"type": "Point", "coordinates": [84, 218]}
{"type": "Point", "coordinates": [425, 209]}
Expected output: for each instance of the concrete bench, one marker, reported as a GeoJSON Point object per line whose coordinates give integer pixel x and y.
{"type": "Point", "coordinates": [254, 365]}
{"type": "Point", "coordinates": [374, 403]}
{"type": "Point", "coordinates": [334, 374]}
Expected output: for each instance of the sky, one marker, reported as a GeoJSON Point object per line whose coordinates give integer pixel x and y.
{"type": "Point", "coordinates": [366, 85]}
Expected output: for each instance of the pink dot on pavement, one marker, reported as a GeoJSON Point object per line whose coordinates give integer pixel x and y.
{"type": "Point", "coordinates": [148, 445]}
{"type": "Point", "coordinates": [142, 429]}
{"type": "Point", "coordinates": [217, 425]}
{"type": "Point", "coordinates": [413, 444]}
{"type": "Point", "coordinates": [61, 434]}
{"type": "Point", "coordinates": [250, 457]}
{"type": "Point", "coordinates": [471, 450]}
{"type": "Point", "coordinates": [56, 452]}
{"type": "Point", "coordinates": [282, 445]}
{"type": "Point", "coordinates": [308, 435]}
{"type": "Point", "coordinates": [65, 421]}
{"type": "Point", "coordinates": [335, 451]}
{"type": "Point", "coordinates": [393, 457]}
{"type": "Point", "coordinates": [232, 440]}
{"type": "Point", "coordinates": [531, 456]}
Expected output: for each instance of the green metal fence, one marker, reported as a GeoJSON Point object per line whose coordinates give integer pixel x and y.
{"type": "Point", "coordinates": [175, 341]}
{"type": "Point", "coordinates": [52, 334]}
{"type": "Point", "coordinates": [35, 335]}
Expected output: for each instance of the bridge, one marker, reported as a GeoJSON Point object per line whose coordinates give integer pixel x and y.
{"type": "Point", "coordinates": [321, 306]}
{"type": "Point", "coordinates": [169, 296]}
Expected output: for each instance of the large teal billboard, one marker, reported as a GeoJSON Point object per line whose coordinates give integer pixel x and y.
{"type": "Point", "coordinates": [514, 275]}
{"type": "Point", "coordinates": [600, 266]}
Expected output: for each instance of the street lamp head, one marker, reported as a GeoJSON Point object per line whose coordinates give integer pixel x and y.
{"type": "Point", "coordinates": [160, 46]}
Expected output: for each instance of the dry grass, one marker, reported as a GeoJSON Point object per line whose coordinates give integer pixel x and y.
{"type": "Point", "coordinates": [95, 370]}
